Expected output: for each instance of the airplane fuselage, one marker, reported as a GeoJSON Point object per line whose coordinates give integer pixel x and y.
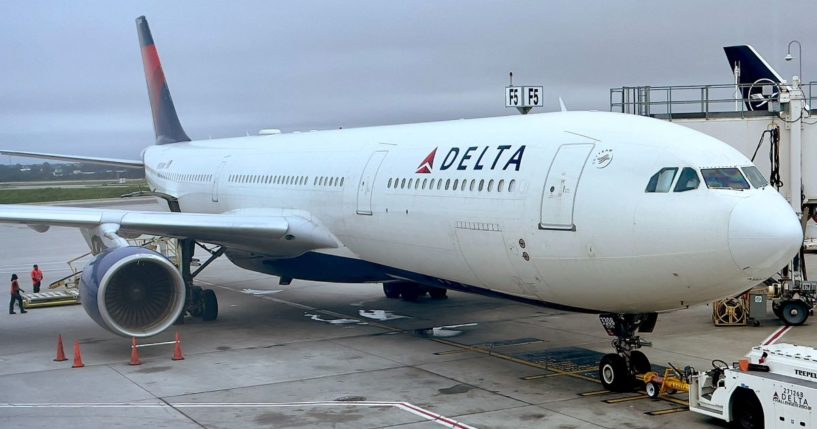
{"type": "Point", "coordinates": [548, 207]}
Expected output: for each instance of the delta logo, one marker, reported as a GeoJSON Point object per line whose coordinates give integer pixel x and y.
{"type": "Point", "coordinates": [475, 158]}
{"type": "Point", "coordinates": [428, 163]}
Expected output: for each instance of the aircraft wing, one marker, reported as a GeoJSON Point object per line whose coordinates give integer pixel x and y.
{"type": "Point", "coordinates": [126, 163]}
{"type": "Point", "coordinates": [266, 231]}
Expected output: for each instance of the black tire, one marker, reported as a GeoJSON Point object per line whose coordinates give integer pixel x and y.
{"type": "Point", "coordinates": [437, 293]}
{"type": "Point", "coordinates": [210, 310]}
{"type": "Point", "coordinates": [794, 313]}
{"type": "Point", "coordinates": [410, 292]}
{"type": "Point", "coordinates": [391, 290]}
{"type": "Point", "coordinates": [195, 307]}
{"type": "Point", "coordinates": [639, 362]}
{"type": "Point", "coordinates": [777, 309]}
{"type": "Point", "coordinates": [653, 389]}
{"type": "Point", "coordinates": [747, 413]}
{"type": "Point", "coordinates": [613, 373]}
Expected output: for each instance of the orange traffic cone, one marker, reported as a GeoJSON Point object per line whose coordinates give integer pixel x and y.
{"type": "Point", "coordinates": [60, 351]}
{"type": "Point", "coordinates": [177, 351]}
{"type": "Point", "coordinates": [77, 356]}
{"type": "Point", "coordinates": [134, 353]}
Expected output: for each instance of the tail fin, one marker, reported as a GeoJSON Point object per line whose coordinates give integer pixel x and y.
{"type": "Point", "coordinates": [753, 74]}
{"type": "Point", "coordinates": [165, 121]}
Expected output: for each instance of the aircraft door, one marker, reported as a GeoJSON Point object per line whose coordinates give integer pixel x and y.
{"type": "Point", "coordinates": [559, 194]}
{"type": "Point", "coordinates": [217, 178]}
{"type": "Point", "coordinates": [366, 185]}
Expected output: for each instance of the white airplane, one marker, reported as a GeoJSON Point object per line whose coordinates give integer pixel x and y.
{"type": "Point", "coordinates": [597, 212]}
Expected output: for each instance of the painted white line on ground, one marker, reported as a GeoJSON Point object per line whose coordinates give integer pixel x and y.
{"type": "Point", "coordinates": [404, 406]}
{"type": "Point", "coordinates": [776, 335]}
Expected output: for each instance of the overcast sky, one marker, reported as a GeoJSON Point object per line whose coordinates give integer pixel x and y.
{"type": "Point", "coordinates": [72, 79]}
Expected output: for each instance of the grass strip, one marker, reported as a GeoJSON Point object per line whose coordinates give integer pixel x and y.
{"type": "Point", "coordinates": [41, 195]}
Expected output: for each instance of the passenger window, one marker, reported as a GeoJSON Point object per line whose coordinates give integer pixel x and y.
{"type": "Point", "coordinates": [724, 178]}
{"type": "Point", "coordinates": [662, 181]}
{"type": "Point", "coordinates": [687, 181]}
{"type": "Point", "coordinates": [501, 186]}
{"type": "Point", "coordinates": [512, 186]}
{"type": "Point", "coordinates": [755, 176]}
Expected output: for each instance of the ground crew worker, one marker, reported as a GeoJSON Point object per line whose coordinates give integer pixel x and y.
{"type": "Point", "coordinates": [15, 295]}
{"type": "Point", "coordinates": [36, 278]}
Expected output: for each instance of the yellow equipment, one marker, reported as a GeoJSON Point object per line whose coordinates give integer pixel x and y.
{"type": "Point", "coordinates": [671, 382]}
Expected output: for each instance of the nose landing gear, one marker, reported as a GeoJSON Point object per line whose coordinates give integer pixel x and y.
{"type": "Point", "coordinates": [617, 370]}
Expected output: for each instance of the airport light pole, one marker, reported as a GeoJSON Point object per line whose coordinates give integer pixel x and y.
{"type": "Point", "coordinates": [799, 56]}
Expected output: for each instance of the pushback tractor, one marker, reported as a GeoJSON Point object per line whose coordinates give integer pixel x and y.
{"type": "Point", "coordinates": [773, 387]}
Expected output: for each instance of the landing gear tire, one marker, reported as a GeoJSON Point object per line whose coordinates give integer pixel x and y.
{"type": "Point", "coordinates": [209, 305]}
{"type": "Point", "coordinates": [747, 412]}
{"type": "Point", "coordinates": [613, 373]}
{"type": "Point", "coordinates": [794, 313]}
{"type": "Point", "coordinates": [411, 293]}
{"type": "Point", "coordinates": [639, 362]}
{"type": "Point", "coordinates": [195, 307]}
{"type": "Point", "coordinates": [438, 293]}
{"type": "Point", "coordinates": [392, 291]}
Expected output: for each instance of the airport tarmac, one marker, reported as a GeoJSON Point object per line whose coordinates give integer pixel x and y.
{"type": "Point", "coordinates": [321, 355]}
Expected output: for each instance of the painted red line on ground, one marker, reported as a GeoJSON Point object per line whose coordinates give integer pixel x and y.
{"type": "Point", "coordinates": [776, 335]}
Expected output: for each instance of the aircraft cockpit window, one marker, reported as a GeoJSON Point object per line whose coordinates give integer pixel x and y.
{"type": "Point", "coordinates": [724, 178]}
{"type": "Point", "coordinates": [687, 180]}
{"type": "Point", "coordinates": [755, 176]}
{"type": "Point", "coordinates": [662, 181]}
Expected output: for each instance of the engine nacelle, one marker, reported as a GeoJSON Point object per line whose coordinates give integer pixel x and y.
{"type": "Point", "coordinates": [132, 291]}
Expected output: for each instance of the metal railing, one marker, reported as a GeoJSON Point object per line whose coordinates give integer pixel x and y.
{"type": "Point", "coordinates": [683, 101]}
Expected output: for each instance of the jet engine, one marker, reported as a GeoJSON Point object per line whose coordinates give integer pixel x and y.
{"type": "Point", "coordinates": [132, 291]}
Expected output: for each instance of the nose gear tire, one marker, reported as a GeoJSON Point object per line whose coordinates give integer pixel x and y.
{"type": "Point", "coordinates": [613, 373]}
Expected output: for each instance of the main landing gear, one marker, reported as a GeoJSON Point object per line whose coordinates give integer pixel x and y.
{"type": "Point", "coordinates": [200, 302]}
{"type": "Point", "coordinates": [412, 291]}
{"type": "Point", "coordinates": [617, 370]}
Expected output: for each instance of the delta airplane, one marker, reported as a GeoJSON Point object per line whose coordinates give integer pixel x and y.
{"type": "Point", "coordinates": [606, 213]}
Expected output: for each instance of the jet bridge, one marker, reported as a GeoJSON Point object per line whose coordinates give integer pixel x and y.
{"type": "Point", "coordinates": [773, 124]}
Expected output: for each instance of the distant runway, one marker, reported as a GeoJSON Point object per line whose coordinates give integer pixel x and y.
{"type": "Point", "coordinates": [67, 184]}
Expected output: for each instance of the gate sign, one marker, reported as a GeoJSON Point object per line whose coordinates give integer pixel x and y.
{"type": "Point", "coordinates": [523, 96]}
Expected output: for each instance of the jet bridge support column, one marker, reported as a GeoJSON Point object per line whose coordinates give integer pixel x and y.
{"type": "Point", "coordinates": [795, 113]}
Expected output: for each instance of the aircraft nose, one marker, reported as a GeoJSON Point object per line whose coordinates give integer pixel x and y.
{"type": "Point", "coordinates": [764, 234]}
